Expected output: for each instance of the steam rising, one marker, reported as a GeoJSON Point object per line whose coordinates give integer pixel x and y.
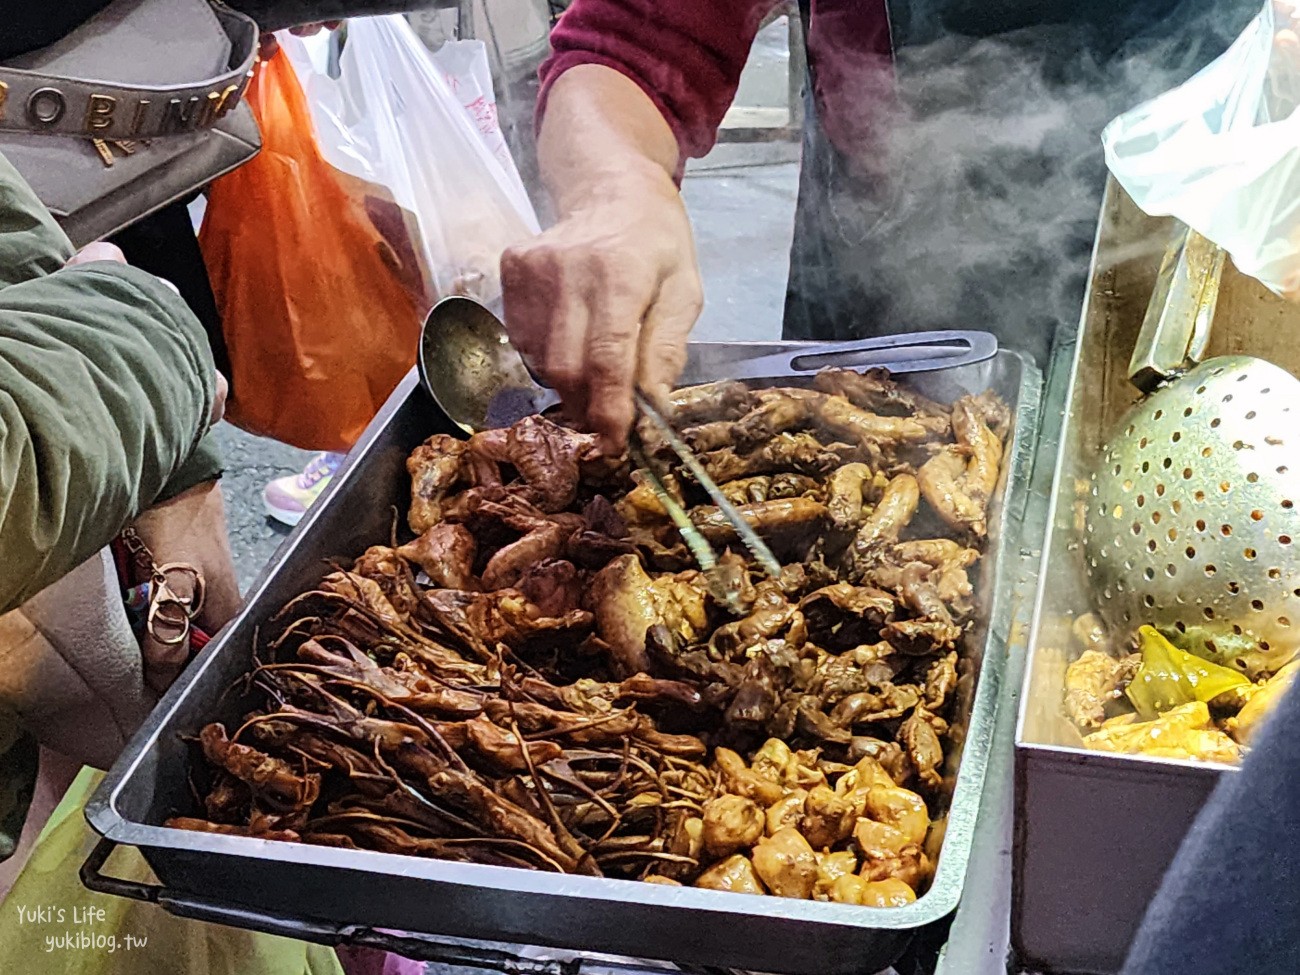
{"type": "Point", "coordinates": [992, 169]}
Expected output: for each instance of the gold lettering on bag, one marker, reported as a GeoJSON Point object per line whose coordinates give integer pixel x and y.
{"type": "Point", "coordinates": [218, 104]}
{"type": "Point", "coordinates": [45, 106]}
{"type": "Point", "coordinates": [181, 114]}
{"type": "Point", "coordinates": [141, 109]}
{"type": "Point", "coordinates": [4, 98]}
{"type": "Point", "coordinates": [105, 153]}
{"type": "Point", "coordinates": [105, 149]}
{"type": "Point", "coordinates": [99, 112]}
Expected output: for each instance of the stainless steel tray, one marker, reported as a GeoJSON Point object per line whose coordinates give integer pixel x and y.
{"type": "Point", "coordinates": [332, 895]}
{"type": "Point", "coordinates": [1095, 832]}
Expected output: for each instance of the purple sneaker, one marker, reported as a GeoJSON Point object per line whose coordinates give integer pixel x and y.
{"type": "Point", "coordinates": [288, 498]}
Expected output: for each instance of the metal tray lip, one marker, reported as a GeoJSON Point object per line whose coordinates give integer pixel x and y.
{"type": "Point", "coordinates": [1061, 469]}
{"type": "Point", "coordinates": [408, 383]}
{"type": "Point", "coordinates": [938, 902]}
{"type": "Point", "coordinates": [1121, 761]}
{"type": "Point", "coordinates": [594, 891]}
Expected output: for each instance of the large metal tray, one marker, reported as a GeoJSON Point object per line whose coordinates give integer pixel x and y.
{"type": "Point", "coordinates": [1095, 832]}
{"type": "Point", "coordinates": [334, 895]}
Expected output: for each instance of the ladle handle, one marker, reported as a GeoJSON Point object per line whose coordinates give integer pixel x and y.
{"type": "Point", "coordinates": [1180, 315]}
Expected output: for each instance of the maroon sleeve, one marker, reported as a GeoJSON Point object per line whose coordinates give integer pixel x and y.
{"type": "Point", "coordinates": [686, 55]}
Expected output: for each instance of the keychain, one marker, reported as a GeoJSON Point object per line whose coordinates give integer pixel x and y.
{"type": "Point", "coordinates": [155, 606]}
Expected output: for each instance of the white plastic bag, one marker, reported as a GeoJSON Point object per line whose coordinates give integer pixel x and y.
{"type": "Point", "coordinates": [466, 70]}
{"type": "Point", "coordinates": [392, 117]}
{"type": "Point", "coordinates": [1221, 153]}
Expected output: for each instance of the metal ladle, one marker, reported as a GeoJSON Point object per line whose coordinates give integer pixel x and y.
{"type": "Point", "coordinates": [471, 370]}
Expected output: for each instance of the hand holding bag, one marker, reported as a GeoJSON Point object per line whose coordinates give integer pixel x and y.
{"type": "Point", "coordinates": [136, 108]}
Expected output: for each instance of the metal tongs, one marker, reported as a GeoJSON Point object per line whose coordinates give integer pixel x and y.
{"type": "Point", "coordinates": [723, 590]}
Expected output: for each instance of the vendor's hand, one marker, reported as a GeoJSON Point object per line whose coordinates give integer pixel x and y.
{"type": "Point", "coordinates": [190, 529]}
{"type": "Point", "coordinates": [605, 300]}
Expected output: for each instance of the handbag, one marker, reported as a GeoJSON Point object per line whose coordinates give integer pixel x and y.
{"type": "Point", "coordinates": [101, 153]}
{"type": "Point", "coordinates": [279, 14]}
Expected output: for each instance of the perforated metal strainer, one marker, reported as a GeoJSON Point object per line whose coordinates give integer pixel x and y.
{"type": "Point", "coordinates": [1192, 520]}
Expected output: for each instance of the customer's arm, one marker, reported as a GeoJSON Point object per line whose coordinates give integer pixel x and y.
{"type": "Point", "coordinates": [606, 298]}
{"type": "Point", "coordinates": [106, 389]}
{"type": "Point", "coordinates": [31, 243]}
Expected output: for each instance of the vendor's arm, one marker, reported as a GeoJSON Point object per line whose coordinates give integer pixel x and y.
{"type": "Point", "coordinates": [106, 389]}
{"type": "Point", "coordinates": [607, 297]}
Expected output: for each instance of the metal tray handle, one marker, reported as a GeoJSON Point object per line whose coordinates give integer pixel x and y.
{"type": "Point", "coordinates": [414, 946]}
{"type": "Point", "coordinates": [907, 352]}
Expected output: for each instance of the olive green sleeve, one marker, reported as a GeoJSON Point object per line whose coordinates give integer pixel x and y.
{"type": "Point", "coordinates": [31, 243]}
{"type": "Point", "coordinates": [106, 387]}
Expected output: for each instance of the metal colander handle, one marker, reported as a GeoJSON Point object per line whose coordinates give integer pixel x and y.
{"type": "Point", "coordinates": [1176, 329]}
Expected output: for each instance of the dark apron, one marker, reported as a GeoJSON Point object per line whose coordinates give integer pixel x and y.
{"type": "Point", "coordinates": [981, 208]}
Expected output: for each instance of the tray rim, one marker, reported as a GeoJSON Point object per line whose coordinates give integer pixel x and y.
{"type": "Point", "coordinates": [938, 902]}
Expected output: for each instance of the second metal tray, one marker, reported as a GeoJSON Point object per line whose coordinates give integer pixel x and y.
{"type": "Point", "coordinates": [334, 895]}
{"type": "Point", "coordinates": [1094, 832]}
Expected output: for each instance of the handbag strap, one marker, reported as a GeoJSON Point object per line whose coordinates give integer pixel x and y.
{"type": "Point", "coordinates": [35, 102]}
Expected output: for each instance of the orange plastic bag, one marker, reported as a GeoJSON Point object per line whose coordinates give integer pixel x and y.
{"type": "Point", "coordinates": [319, 288]}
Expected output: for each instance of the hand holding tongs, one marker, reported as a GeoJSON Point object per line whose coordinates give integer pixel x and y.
{"type": "Point", "coordinates": [915, 352]}
{"type": "Point", "coordinates": [698, 544]}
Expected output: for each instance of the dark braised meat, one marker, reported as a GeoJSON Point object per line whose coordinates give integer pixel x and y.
{"type": "Point", "coordinates": [874, 390]}
{"type": "Point", "coordinates": [884, 526]}
{"type": "Point", "coordinates": [789, 453]}
{"type": "Point", "coordinates": [784, 518]}
{"type": "Point", "coordinates": [547, 457]}
{"type": "Point", "coordinates": [446, 554]}
{"type": "Point", "coordinates": [694, 405]}
{"type": "Point", "coordinates": [436, 467]}
{"type": "Point", "coordinates": [959, 481]}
